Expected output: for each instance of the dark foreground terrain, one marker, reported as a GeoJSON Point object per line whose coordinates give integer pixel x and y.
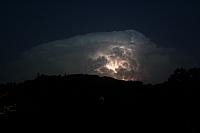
{"type": "Point", "coordinates": [168, 105]}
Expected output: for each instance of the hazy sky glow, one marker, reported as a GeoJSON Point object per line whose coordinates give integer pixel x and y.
{"type": "Point", "coordinates": [52, 37]}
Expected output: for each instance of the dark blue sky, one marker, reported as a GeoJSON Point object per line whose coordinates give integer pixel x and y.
{"type": "Point", "coordinates": [168, 23]}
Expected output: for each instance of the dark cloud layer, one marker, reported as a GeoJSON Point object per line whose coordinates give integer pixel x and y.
{"type": "Point", "coordinates": [120, 54]}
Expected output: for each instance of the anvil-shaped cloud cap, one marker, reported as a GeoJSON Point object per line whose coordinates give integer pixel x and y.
{"type": "Point", "coordinates": [124, 55]}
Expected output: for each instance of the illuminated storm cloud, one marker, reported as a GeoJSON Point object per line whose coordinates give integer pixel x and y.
{"type": "Point", "coordinates": [124, 55]}
{"type": "Point", "coordinates": [118, 61]}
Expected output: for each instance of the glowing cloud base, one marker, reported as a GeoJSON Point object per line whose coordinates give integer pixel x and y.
{"type": "Point", "coordinates": [118, 61]}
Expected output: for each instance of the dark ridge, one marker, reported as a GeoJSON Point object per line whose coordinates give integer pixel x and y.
{"type": "Point", "coordinates": [175, 101]}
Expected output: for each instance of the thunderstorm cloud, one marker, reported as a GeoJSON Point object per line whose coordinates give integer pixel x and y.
{"type": "Point", "coordinates": [124, 55]}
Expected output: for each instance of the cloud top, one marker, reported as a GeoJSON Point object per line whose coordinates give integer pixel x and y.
{"type": "Point", "coordinates": [126, 55]}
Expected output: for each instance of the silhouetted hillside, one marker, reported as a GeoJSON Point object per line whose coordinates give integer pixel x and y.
{"type": "Point", "coordinates": [178, 97]}
{"type": "Point", "coordinates": [182, 86]}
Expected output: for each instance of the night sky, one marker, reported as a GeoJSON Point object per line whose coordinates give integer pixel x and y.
{"type": "Point", "coordinates": [168, 23]}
